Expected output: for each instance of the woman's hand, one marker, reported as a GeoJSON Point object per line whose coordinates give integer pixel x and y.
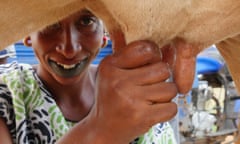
{"type": "Point", "coordinates": [132, 93]}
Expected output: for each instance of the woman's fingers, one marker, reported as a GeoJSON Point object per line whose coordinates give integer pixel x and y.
{"type": "Point", "coordinates": [149, 74]}
{"type": "Point", "coordinates": [181, 56]}
{"type": "Point", "coordinates": [137, 54]}
{"type": "Point", "coordinates": [140, 62]}
{"type": "Point", "coordinates": [159, 93]}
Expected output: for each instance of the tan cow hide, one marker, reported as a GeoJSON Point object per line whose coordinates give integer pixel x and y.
{"type": "Point", "coordinates": [199, 22]}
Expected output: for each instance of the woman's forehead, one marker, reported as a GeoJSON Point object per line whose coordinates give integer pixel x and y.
{"type": "Point", "coordinates": [76, 15]}
{"type": "Point", "coordinates": [83, 11]}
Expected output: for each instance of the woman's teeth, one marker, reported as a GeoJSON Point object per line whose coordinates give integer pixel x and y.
{"type": "Point", "coordinates": [67, 66]}
{"type": "Point", "coordinates": [68, 70]}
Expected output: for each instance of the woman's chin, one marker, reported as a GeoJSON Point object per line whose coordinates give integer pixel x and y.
{"type": "Point", "coordinates": [66, 81]}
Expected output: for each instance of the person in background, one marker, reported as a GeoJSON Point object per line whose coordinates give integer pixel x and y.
{"type": "Point", "coordinates": [64, 99]}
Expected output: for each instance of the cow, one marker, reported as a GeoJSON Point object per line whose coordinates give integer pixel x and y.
{"type": "Point", "coordinates": [189, 26]}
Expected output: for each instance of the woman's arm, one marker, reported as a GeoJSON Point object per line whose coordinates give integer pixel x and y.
{"type": "Point", "coordinates": [132, 95]}
{"type": "Point", "coordinates": [88, 132]}
{"type": "Point", "coordinates": [5, 137]}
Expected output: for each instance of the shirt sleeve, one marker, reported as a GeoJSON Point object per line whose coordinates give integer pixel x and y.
{"type": "Point", "coordinates": [6, 108]}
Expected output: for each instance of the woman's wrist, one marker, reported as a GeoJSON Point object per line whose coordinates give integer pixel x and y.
{"type": "Point", "coordinates": [89, 132]}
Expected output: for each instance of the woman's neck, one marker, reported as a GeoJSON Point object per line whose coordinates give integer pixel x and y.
{"type": "Point", "coordinates": [75, 100]}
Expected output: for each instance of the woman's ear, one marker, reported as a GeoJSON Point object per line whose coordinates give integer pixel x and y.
{"type": "Point", "coordinates": [27, 41]}
{"type": "Point", "coordinates": [105, 42]}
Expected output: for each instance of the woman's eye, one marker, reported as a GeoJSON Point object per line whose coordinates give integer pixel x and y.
{"type": "Point", "coordinates": [52, 28]}
{"type": "Point", "coordinates": [55, 26]}
{"type": "Point", "coordinates": [86, 21]}
{"type": "Point", "coordinates": [86, 24]}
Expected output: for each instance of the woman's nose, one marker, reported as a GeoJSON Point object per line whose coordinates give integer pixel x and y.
{"type": "Point", "coordinates": [68, 51]}
{"type": "Point", "coordinates": [69, 46]}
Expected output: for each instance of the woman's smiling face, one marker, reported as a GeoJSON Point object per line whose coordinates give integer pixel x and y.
{"type": "Point", "coordinates": [65, 49]}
